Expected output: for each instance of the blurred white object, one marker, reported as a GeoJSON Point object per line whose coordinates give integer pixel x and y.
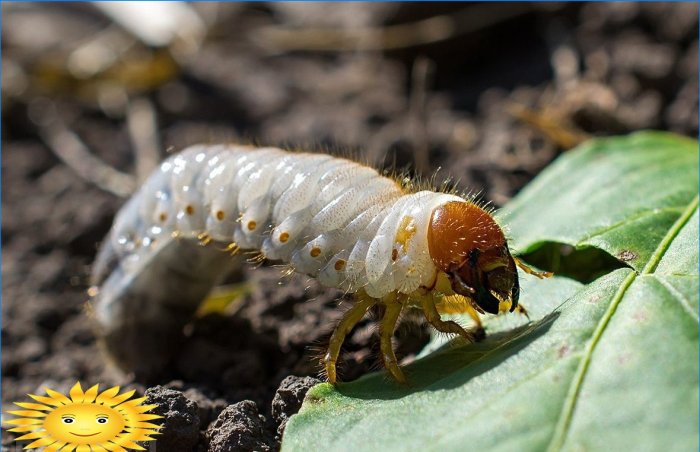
{"type": "Point", "coordinates": [158, 24]}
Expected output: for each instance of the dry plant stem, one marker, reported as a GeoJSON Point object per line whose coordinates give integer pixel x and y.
{"type": "Point", "coordinates": [426, 31]}
{"type": "Point", "coordinates": [555, 128]}
{"type": "Point", "coordinates": [421, 80]}
{"type": "Point", "coordinates": [73, 152]}
{"type": "Point", "coordinates": [349, 320]}
{"type": "Point", "coordinates": [143, 131]}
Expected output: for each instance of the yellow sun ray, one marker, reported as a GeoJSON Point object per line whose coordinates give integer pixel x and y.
{"type": "Point", "coordinates": [27, 413]}
{"type": "Point", "coordinates": [124, 441]}
{"type": "Point", "coordinates": [76, 393]}
{"type": "Point", "coordinates": [40, 443]}
{"type": "Point", "coordinates": [32, 406]}
{"type": "Point", "coordinates": [144, 408]}
{"type": "Point", "coordinates": [113, 447]}
{"type": "Point", "coordinates": [24, 421]}
{"type": "Point", "coordinates": [106, 395]}
{"type": "Point", "coordinates": [130, 404]}
{"type": "Point", "coordinates": [24, 428]}
{"type": "Point", "coordinates": [148, 417]}
{"type": "Point", "coordinates": [141, 437]}
{"type": "Point", "coordinates": [145, 425]}
{"type": "Point", "coordinates": [58, 397]}
{"type": "Point", "coordinates": [91, 394]}
{"type": "Point", "coordinates": [54, 447]}
{"type": "Point", "coordinates": [121, 398]}
{"type": "Point", "coordinates": [33, 435]}
{"type": "Point", "coordinates": [87, 421]}
{"type": "Point", "coordinates": [46, 400]}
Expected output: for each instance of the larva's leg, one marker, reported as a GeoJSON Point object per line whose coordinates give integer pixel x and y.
{"type": "Point", "coordinates": [349, 320]}
{"type": "Point", "coordinates": [204, 239]}
{"type": "Point", "coordinates": [232, 249]}
{"type": "Point", "coordinates": [386, 331]}
{"type": "Point", "coordinates": [520, 309]}
{"type": "Point", "coordinates": [531, 271]}
{"type": "Point", "coordinates": [479, 332]}
{"type": "Point", "coordinates": [449, 326]}
{"type": "Point", "coordinates": [474, 315]}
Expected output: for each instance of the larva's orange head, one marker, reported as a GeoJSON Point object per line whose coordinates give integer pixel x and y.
{"type": "Point", "coordinates": [466, 243]}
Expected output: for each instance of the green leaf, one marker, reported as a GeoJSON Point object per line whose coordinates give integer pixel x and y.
{"type": "Point", "coordinates": [606, 192]}
{"type": "Point", "coordinates": [609, 365]}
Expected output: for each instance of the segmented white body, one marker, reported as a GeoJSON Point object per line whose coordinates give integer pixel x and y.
{"type": "Point", "coordinates": [330, 218]}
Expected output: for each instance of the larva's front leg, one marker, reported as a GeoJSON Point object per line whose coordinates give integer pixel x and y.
{"type": "Point", "coordinates": [479, 331]}
{"type": "Point", "coordinates": [520, 309]}
{"type": "Point", "coordinates": [386, 332]}
{"type": "Point", "coordinates": [444, 326]}
{"type": "Point", "coordinates": [346, 324]}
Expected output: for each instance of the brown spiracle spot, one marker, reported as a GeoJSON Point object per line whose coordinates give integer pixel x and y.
{"type": "Point", "coordinates": [284, 237]}
{"type": "Point", "coordinates": [220, 215]}
{"type": "Point", "coordinates": [394, 254]}
{"type": "Point", "coordinates": [315, 251]}
{"type": "Point", "coordinates": [252, 225]}
{"type": "Point", "coordinates": [162, 217]}
{"type": "Point", "coordinates": [339, 264]}
{"type": "Point", "coordinates": [189, 210]}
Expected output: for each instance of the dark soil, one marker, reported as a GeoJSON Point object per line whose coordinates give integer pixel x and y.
{"type": "Point", "coordinates": [489, 107]}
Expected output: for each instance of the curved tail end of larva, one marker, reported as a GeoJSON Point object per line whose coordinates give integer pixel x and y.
{"type": "Point", "coordinates": [139, 315]}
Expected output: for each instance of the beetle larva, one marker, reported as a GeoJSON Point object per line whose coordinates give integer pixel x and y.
{"type": "Point", "coordinates": [330, 218]}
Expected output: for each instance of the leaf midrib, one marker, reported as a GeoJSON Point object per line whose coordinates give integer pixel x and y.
{"type": "Point", "coordinates": [562, 427]}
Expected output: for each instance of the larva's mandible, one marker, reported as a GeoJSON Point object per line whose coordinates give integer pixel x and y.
{"type": "Point", "coordinates": [331, 218]}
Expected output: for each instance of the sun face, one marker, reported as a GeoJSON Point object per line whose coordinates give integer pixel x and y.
{"type": "Point", "coordinates": [87, 421]}
{"type": "Point", "coordinates": [84, 424]}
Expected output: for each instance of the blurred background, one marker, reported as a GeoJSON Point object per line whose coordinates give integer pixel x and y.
{"type": "Point", "coordinates": [483, 96]}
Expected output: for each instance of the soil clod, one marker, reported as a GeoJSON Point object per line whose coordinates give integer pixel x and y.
{"type": "Point", "coordinates": [180, 421]}
{"type": "Point", "coordinates": [239, 428]}
{"type": "Point", "coordinates": [289, 397]}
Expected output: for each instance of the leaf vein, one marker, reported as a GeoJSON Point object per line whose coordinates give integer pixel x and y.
{"type": "Point", "coordinates": [668, 238]}
{"type": "Point", "coordinates": [682, 300]}
{"type": "Point", "coordinates": [566, 414]}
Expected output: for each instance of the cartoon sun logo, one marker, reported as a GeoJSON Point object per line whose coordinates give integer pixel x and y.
{"type": "Point", "coordinates": [88, 421]}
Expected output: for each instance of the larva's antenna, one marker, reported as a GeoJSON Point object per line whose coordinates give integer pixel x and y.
{"type": "Point", "coordinates": [532, 271]}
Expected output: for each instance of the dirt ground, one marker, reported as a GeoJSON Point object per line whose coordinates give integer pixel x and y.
{"type": "Point", "coordinates": [482, 95]}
